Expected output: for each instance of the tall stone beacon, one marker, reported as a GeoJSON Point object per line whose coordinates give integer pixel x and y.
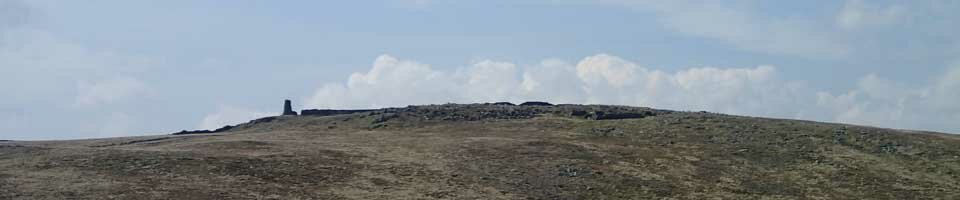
{"type": "Point", "coordinates": [287, 108]}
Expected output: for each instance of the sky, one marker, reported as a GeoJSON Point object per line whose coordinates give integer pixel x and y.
{"type": "Point", "coordinates": [111, 68]}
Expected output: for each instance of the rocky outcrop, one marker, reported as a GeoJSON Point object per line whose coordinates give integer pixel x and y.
{"type": "Point", "coordinates": [611, 114]}
{"type": "Point", "coordinates": [461, 112]}
{"type": "Point", "coordinates": [329, 112]}
{"type": "Point", "coordinates": [262, 120]}
{"type": "Point", "coordinates": [579, 113]}
{"type": "Point", "coordinates": [488, 111]}
{"type": "Point", "coordinates": [621, 115]}
{"type": "Point", "coordinates": [221, 129]}
{"type": "Point", "coordinates": [536, 103]}
{"type": "Point", "coordinates": [186, 132]}
{"type": "Point", "coordinates": [287, 108]}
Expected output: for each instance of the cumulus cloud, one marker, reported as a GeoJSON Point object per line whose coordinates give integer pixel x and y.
{"type": "Point", "coordinates": [405, 82]}
{"type": "Point", "coordinates": [881, 102]}
{"type": "Point", "coordinates": [602, 79]}
{"type": "Point", "coordinates": [109, 91]}
{"type": "Point", "coordinates": [552, 79]}
{"type": "Point", "coordinates": [608, 79]}
{"type": "Point", "coordinates": [230, 115]}
{"type": "Point", "coordinates": [490, 81]}
{"type": "Point", "coordinates": [607, 69]}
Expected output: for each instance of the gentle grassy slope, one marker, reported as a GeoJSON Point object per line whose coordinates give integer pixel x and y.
{"type": "Point", "coordinates": [496, 152]}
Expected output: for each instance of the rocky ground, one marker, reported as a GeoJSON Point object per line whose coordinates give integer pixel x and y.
{"type": "Point", "coordinates": [485, 151]}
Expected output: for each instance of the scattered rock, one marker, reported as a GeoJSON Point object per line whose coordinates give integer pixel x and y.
{"type": "Point", "coordinates": [888, 147]}
{"type": "Point", "coordinates": [572, 171]}
{"type": "Point", "coordinates": [840, 136]}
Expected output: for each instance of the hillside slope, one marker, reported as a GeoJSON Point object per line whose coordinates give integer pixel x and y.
{"type": "Point", "coordinates": [482, 151]}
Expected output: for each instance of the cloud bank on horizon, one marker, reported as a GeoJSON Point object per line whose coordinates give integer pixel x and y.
{"type": "Point", "coordinates": [608, 79]}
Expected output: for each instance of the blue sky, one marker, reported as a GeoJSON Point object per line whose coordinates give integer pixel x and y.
{"type": "Point", "coordinates": [105, 68]}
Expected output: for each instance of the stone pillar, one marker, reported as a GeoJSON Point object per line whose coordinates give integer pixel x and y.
{"type": "Point", "coordinates": [287, 108]}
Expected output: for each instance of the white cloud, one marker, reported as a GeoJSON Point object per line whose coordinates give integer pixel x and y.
{"type": "Point", "coordinates": [405, 82]}
{"type": "Point", "coordinates": [880, 102]}
{"type": "Point", "coordinates": [607, 79]}
{"type": "Point", "coordinates": [553, 80]}
{"type": "Point", "coordinates": [229, 115]}
{"type": "Point", "coordinates": [856, 14]}
{"type": "Point", "coordinates": [109, 91]}
{"type": "Point", "coordinates": [601, 79]}
{"type": "Point", "coordinates": [747, 29]}
{"type": "Point", "coordinates": [37, 64]}
{"type": "Point", "coordinates": [605, 68]}
{"type": "Point", "coordinates": [490, 81]}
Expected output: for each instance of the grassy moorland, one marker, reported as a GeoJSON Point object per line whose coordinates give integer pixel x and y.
{"type": "Point", "coordinates": [480, 151]}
